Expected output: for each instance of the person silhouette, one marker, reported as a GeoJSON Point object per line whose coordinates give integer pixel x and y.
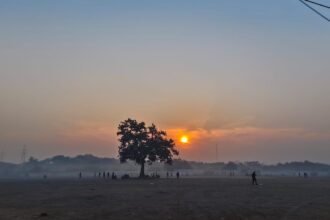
{"type": "Point", "coordinates": [254, 178]}
{"type": "Point", "coordinates": [177, 175]}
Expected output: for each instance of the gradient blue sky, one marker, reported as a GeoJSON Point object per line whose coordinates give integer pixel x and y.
{"type": "Point", "coordinates": [252, 76]}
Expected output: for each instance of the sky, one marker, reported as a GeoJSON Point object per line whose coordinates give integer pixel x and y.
{"type": "Point", "coordinates": [250, 77]}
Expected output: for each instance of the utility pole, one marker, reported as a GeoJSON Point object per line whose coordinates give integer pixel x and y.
{"type": "Point", "coordinates": [216, 153]}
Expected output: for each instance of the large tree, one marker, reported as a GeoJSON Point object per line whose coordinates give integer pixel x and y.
{"type": "Point", "coordinates": [144, 144]}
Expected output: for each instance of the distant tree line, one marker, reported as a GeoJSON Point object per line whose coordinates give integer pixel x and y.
{"type": "Point", "coordinates": [89, 163]}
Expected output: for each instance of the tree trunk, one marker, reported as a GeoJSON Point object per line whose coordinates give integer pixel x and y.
{"type": "Point", "coordinates": [142, 170]}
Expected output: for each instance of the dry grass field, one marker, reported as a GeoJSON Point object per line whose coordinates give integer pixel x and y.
{"type": "Point", "coordinates": [223, 198]}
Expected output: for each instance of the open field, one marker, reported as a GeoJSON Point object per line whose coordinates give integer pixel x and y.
{"type": "Point", "coordinates": [223, 198]}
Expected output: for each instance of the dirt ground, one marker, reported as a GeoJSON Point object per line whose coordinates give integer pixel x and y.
{"type": "Point", "coordinates": [222, 198]}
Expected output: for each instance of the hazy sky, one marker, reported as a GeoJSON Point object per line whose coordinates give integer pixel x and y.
{"type": "Point", "coordinates": [250, 76]}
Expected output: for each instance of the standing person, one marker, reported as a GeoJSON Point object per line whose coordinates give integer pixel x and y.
{"type": "Point", "coordinates": [80, 175]}
{"type": "Point", "coordinates": [254, 178]}
{"type": "Point", "coordinates": [177, 175]}
{"type": "Point", "coordinates": [167, 174]}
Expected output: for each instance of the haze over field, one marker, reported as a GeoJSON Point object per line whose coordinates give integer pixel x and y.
{"type": "Point", "coordinates": [250, 76]}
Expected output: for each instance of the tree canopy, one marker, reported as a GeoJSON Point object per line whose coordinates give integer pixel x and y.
{"type": "Point", "coordinates": [144, 144]}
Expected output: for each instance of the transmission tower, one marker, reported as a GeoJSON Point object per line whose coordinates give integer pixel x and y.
{"type": "Point", "coordinates": [24, 154]}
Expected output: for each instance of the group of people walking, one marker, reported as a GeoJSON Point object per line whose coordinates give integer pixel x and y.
{"type": "Point", "coordinates": [104, 175]}
{"type": "Point", "coordinates": [171, 174]}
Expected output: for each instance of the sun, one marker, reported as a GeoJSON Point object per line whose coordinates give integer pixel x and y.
{"type": "Point", "coordinates": [184, 139]}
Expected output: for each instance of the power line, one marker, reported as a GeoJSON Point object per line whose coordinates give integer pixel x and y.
{"type": "Point", "coordinates": [313, 9]}
{"type": "Point", "coordinates": [319, 4]}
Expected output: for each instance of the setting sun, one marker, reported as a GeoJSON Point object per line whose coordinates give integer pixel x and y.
{"type": "Point", "coordinates": [184, 139]}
